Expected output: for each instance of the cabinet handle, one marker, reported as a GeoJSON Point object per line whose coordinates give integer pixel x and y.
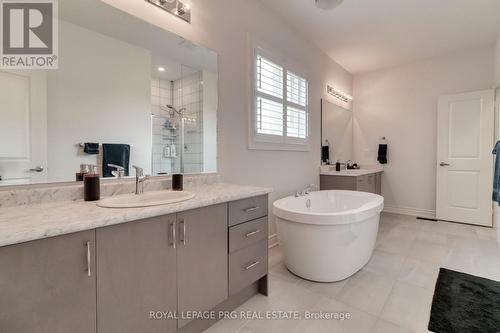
{"type": "Point", "coordinates": [172, 231]}
{"type": "Point", "coordinates": [182, 236]}
{"type": "Point", "coordinates": [89, 272]}
{"type": "Point", "coordinates": [255, 263]}
{"type": "Point", "coordinates": [250, 209]}
{"type": "Point", "coordinates": [252, 233]}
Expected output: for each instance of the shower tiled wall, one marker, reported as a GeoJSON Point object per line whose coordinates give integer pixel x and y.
{"type": "Point", "coordinates": [161, 95]}
{"type": "Point", "coordinates": [188, 93]}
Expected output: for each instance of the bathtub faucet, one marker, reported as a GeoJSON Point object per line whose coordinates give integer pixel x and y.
{"type": "Point", "coordinates": [307, 190]}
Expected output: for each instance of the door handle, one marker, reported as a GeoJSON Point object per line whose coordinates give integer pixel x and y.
{"type": "Point", "coordinates": [250, 209]}
{"type": "Point", "coordinates": [443, 164]}
{"type": "Point", "coordinates": [252, 233]}
{"type": "Point", "coordinates": [89, 273]}
{"type": "Point", "coordinates": [172, 232]}
{"type": "Point", "coordinates": [36, 169]}
{"type": "Point", "coordinates": [253, 264]}
{"type": "Point", "coordinates": [182, 231]}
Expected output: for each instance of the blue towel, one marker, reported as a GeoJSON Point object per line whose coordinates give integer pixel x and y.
{"type": "Point", "coordinates": [91, 148]}
{"type": "Point", "coordinates": [496, 179]}
{"type": "Point", "coordinates": [118, 154]}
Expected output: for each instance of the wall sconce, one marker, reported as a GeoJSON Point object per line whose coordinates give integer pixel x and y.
{"type": "Point", "coordinates": [175, 7]}
{"type": "Point", "coordinates": [344, 97]}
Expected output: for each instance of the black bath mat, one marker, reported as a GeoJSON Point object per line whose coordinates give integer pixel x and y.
{"type": "Point", "coordinates": [465, 303]}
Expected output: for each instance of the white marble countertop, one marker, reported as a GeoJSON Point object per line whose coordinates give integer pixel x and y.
{"type": "Point", "coordinates": [30, 222]}
{"type": "Point", "coordinates": [330, 171]}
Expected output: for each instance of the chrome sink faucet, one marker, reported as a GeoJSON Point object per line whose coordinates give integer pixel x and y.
{"type": "Point", "coordinates": [140, 178]}
{"type": "Point", "coordinates": [307, 190]}
{"type": "Point", "coordinates": [120, 171]}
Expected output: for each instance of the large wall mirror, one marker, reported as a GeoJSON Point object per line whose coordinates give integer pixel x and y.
{"type": "Point", "coordinates": [126, 92]}
{"type": "Point", "coordinates": [336, 131]}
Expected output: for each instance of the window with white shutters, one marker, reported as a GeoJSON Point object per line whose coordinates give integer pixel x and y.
{"type": "Point", "coordinates": [280, 104]}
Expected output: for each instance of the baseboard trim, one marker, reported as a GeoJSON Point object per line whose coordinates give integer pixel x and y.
{"type": "Point", "coordinates": [410, 211]}
{"type": "Point", "coordinates": [273, 240]}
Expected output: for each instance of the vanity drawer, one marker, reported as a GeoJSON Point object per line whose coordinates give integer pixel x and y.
{"type": "Point", "coordinates": [245, 234]}
{"type": "Point", "coordinates": [247, 209]}
{"type": "Point", "coordinates": [247, 266]}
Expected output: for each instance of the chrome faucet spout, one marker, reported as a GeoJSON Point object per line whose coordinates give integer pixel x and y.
{"type": "Point", "coordinates": [120, 171]}
{"type": "Point", "coordinates": [140, 179]}
{"type": "Point", "coordinates": [307, 190]}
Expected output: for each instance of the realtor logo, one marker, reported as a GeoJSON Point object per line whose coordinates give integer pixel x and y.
{"type": "Point", "coordinates": [29, 34]}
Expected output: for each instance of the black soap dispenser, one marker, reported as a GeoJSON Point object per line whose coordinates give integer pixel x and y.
{"type": "Point", "coordinates": [91, 184]}
{"type": "Point", "coordinates": [337, 166]}
{"type": "Point", "coordinates": [177, 182]}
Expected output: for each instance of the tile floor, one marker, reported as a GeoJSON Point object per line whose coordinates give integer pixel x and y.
{"type": "Point", "coordinates": [391, 294]}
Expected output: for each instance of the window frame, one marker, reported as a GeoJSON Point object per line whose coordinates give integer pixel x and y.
{"type": "Point", "coordinates": [263, 141]}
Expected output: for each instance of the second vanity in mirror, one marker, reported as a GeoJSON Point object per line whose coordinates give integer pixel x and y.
{"type": "Point", "coordinates": [337, 146]}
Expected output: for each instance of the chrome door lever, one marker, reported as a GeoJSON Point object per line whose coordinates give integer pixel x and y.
{"type": "Point", "coordinates": [443, 164]}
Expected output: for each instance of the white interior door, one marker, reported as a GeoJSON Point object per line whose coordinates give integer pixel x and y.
{"type": "Point", "coordinates": [465, 163]}
{"type": "Point", "coordinates": [23, 127]}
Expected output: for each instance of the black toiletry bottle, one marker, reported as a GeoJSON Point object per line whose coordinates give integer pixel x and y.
{"type": "Point", "coordinates": [337, 166]}
{"type": "Point", "coordinates": [177, 182]}
{"type": "Point", "coordinates": [84, 169]}
{"type": "Point", "coordinates": [91, 185]}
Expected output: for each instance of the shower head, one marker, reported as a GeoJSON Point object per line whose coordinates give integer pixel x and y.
{"type": "Point", "coordinates": [173, 109]}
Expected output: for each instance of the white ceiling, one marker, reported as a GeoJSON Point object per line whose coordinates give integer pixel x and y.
{"type": "Point", "coordinates": [365, 35]}
{"type": "Point", "coordinates": [100, 17]}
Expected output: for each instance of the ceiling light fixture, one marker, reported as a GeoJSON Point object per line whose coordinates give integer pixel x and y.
{"type": "Point", "coordinates": [178, 8]}
{"type": "Point", "coordinates": [337, 93]}
{"type": "Point", "coordinates": [328, 4]}
{"type": "Point", "coordinates": [161, 69]}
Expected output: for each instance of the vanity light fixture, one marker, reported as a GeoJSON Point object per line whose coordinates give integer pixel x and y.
{"type": "Point", "coordinates": [344, 97]}
{"type": "Point", "coordinates": [328, 4]}
{"type": "Point", "coordinates": [174, 7]}
{"type": "Point", "coordinates": [161, 69]}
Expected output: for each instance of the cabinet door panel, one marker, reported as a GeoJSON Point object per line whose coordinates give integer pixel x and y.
{"type": "Point", "coordinates": [45, 285]}
{"type": "Point", "coordinates": [203, 259]}
{"type": "Point", "coordinates": [136, 274]}
{"type": "Point", "coordinates": [337, 183]}
{"type": "Point", "coordinates": [362, 184]}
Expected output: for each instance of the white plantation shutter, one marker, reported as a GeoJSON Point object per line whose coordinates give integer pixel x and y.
{"type": "Point", "coordinates": [269, 117]}
{"type": "Point", "coordinates": [296, 88]}
{"type": "Point", "coordinates": [280, 104]}
{"type": "Point", "coordinates": [297, 117]}
{"type": "Point", "coordinates": [269, 97]}
{"type": "Point", "coordinates": [296, 123]}
{"type": "Point", "coordinates": [269, 77]}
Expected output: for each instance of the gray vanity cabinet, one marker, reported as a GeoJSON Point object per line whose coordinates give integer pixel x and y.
{"type": "Point", "coordinates": [48, 285]}
{"type": "Point", "coordinates": [202, 264]}
{"type": "Point", "coordinates": [136, 274]}
{"type": "Point", "coordinates": [110, 279]}
{"type": "Point", "coordinates": [365, 183]}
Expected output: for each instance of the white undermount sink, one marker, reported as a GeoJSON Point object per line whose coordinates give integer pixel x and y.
{"type": "Point", "coordinates": [148, 199]}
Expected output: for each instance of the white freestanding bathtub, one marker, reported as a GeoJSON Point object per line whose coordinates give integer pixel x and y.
{"type": "Point", "coordinates": [327, 236]}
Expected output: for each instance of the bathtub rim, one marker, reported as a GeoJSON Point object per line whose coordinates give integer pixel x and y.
{"type": "Point", "coordinates": [357, 215]}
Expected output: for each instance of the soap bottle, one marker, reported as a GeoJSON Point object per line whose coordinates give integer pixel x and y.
{"type": "Point", "coordinates": [84, 169]}
{"type": "Point", "coordinates": [337, 166]}
{"type": "Point", "coordinates": [177, 182]}
{"type": "Point", "coordinates": [91, 184]}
